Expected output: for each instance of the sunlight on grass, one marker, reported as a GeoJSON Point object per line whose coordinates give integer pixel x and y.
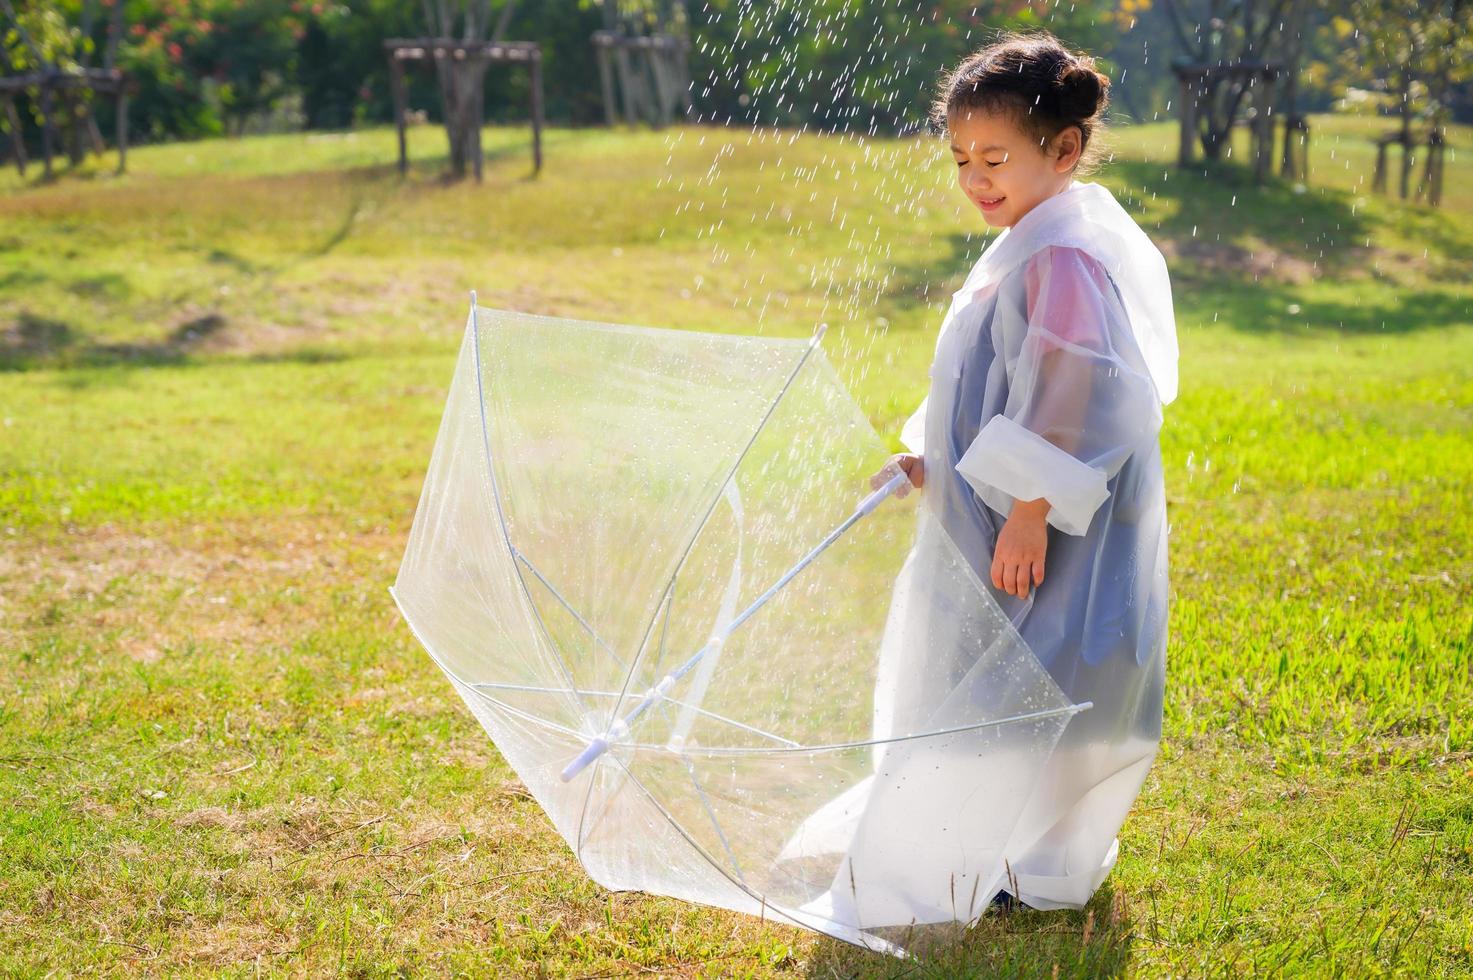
{"type": "Point", "coordinates": [220, 379]}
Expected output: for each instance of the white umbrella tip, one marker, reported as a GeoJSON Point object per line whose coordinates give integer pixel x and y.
{"type": "Point", "coordinates": [818, 334]}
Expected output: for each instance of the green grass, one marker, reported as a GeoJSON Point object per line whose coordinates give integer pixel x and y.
{"type": "Point", "coordinates": [220, 378]}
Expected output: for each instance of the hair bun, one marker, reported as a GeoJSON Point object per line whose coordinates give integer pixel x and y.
{"type": "Point", "coordinates": [1080, 90]}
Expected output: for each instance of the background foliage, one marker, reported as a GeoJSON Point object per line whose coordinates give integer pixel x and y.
{"type": "Point", "coordinates": [205, 67]}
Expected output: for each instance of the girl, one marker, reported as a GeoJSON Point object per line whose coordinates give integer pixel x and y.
{"type": "Point", "coordinates": [1037, 446]}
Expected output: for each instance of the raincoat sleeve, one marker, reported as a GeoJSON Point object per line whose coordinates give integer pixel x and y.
{"type": "Point", "coordinates": [913, 434]}
{"type": "Point", "coordinates": [1080, 398]}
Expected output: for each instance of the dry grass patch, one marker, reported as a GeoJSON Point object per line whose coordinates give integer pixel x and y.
{"type": "Point", "coordinates": [157, 587]}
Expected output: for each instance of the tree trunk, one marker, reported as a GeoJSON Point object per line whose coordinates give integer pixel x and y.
{"type": "Point", "coordinates": [462, 93]}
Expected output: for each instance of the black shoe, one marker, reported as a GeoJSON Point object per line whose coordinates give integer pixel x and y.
{"type": "Point", "coordinates": [1004, 902]}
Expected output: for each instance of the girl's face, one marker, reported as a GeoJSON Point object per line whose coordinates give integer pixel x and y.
{"type": "Point", "coordinates": [1002, 170]}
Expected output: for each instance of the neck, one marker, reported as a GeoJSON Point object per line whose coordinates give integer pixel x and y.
{"type": "Point", "coordinates": [1068, 184]}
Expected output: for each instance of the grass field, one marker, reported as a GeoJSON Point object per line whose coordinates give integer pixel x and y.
{"type": "Point", "coordinates": [220, 378]}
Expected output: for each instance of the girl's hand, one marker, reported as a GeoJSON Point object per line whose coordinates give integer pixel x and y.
{"type": "Point", "coordinates": [1017, 562]}
{"type": "Point", "coordinates": [912, 465]}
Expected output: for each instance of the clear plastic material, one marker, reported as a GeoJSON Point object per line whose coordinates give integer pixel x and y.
{"type": "Point", "coordinates": [1086, 216]}
{"type": "Point", "coordinates": [1050, 370]}
{"type": "Point", "coordinates": [1079, 397]}
{"type": "Point", "coordinates": [601, 502]}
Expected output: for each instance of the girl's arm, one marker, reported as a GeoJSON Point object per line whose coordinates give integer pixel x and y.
{"type": "Point", "coordinates": [1018, 560]}
{"type": "Point", "coordinates": [1080, 400]}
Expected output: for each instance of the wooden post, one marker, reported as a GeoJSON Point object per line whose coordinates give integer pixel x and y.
{"type": "Point", "coordinates": [1431, 180]}
{"type": "Point", "coordinates": [122, 125]}
{"type": "Point", "coordinates": [1408, 161]}
{"type": "Point", "coordinates": [658, 56]}
{"type": "Point", "coordinates": [478, 104]}
{"type": "Point", "coordinates": [1263, 124]}
{"type": "Point", "coordinates": [1435, 163]}
{"type": "Point", "coordinates": [682, 77]}
{"type": "Point", "coordinates": [72, 136]}
{"type": "Point", "coordinates": [48, 133]}
{"type": "Point", "coordinates": [1188, 121]}
{"type": "Point", "coordinates": [94, 134]}
{"type": "Point", "coordinates": [537, 110]}
{"type": "Point", "coordinates": [396, 88]}
{"type": "Point", "coordinates": [605, 74]}
{"type": "Point", "coordinates": [17, 144]}
{"type": "Point", "coordinates": [626, 83]}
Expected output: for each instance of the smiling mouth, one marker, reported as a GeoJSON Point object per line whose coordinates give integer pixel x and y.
{"type": "Point", "coordinates": [987, 203]}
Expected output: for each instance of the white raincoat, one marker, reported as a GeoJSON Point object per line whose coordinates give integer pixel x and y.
{"type": "Point", "coordinates": [1051, 369]}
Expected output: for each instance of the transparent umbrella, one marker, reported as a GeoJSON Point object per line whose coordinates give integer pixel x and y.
{"type": "Point", "coordinates": [649, 563]}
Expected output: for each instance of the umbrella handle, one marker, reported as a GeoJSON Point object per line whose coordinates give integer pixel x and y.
{"type": "Point", "coordinates": [592, 751]}
{"type": "Point", "coordinates": [868, 504]}
{"type": "Point", "coordinates": [600, 744]}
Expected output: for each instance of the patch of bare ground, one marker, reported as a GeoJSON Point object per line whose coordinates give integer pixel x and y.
{"type": "Point", "coordinates": [1260, 262]}
{"type": "Point", "coordinates": [192, 329]}
{"type": "Point", "coordinates": [1229, 259]}
{"type": "Point", "coordinates": [210, 817]}
{"type": "Point", "coordinates": [152, 588]}
{"type": "Point", "coordinates": [228, 331]}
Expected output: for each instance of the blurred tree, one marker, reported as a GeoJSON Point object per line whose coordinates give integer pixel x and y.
{"type": "Point", "coordinates": [644, 60]}
{"type": "Point", "coordinates": [1418, 54]}
{"type": "Point", "coordinates": [207, 66]}
{"type": "Point", "coordinates": [1217, 38]}
{"type": "Point", "coordinates": [48, 58]}
{"type": "Point", "coordinates": [1141, 84]}
{"type": "Point", "coordinates": [248, 50]}
{"type": "Point", "coordinates": [458, 33]}
{"type": "Point", "coordinates": [869, 65]}
{"type": "Point", "coordinates": [340, 62]}
{"type": "Point", "coordinates": [37, 39]}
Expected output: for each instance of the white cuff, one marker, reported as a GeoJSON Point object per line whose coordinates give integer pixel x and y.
{"type": "Point", "coordinates": [1007, 462]}
{"type": "Point", "coordinates": [913, 434]}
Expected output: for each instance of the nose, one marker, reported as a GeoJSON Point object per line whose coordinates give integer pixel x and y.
{"type": "Point", "coordinates": [976, 182]}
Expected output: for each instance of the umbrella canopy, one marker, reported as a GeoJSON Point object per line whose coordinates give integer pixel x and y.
{"type": "Point", "coordinates": [652, 539]}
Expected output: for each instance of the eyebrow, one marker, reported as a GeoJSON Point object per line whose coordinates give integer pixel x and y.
{"type": "Point", "coordinates": [985, 149]}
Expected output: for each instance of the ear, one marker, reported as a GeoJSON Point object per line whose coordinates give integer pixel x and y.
{"type": "Point", "coordinates": [1068, 146]}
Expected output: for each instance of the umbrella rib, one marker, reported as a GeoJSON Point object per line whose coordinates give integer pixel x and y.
{"type": "Point", "coordinates": [558, 595]}
{"type": "Point", "coordinates": [715, 824]}
{"type": "Point", "coordinates": [788, 745]}
{"type": "Point", "coordinates": [711, 509]}
{"type": "Point", "coordinates": [614, 694]}
{"type": "Point", "coordinates": [716, 750]}
{"type": "Point", "coordinates": [458, 681]}
{"type": "Point", "coordinates": [500, 514]}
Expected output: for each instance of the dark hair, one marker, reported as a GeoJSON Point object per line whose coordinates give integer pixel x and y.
{"type": "Point", "coordinates": [1034, 79]}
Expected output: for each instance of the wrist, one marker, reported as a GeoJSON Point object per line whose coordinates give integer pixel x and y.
{"type": "Point", "coordinates": [1030, 510]}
